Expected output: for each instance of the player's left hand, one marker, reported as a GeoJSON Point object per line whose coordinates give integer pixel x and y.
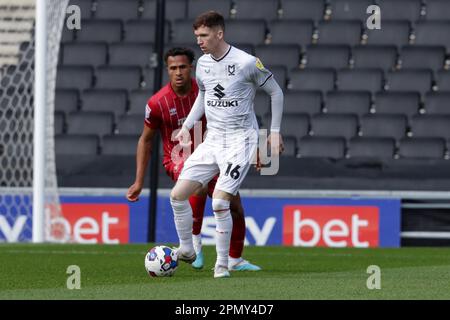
{"type": "Point", "coordinates": [183, 137]}
{"type": "Point", "coordinates": [275, 141]}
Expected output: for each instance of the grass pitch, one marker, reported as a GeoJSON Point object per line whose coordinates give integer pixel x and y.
{"type": "Point", "coordinates": [30, 271]}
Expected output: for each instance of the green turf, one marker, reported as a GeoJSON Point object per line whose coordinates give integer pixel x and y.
{"type": "Point", "coordinates": [117, 272]}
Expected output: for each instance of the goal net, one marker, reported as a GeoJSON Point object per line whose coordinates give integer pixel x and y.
{"type": "Point", "coordinates": [17, 98]}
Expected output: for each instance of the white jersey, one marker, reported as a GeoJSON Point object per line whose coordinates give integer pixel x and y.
{"type": "Point", "coordinates": [230, 85]}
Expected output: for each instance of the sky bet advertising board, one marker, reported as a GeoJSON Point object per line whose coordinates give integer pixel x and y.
{"type": "Point", "coordinates": [355, 222]}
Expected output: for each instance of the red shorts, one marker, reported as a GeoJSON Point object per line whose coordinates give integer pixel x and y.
{"type": "Point", "coordinates": [173, 171]}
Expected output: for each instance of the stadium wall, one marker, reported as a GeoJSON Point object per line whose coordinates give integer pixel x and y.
{"type": "Point", "coordinates": [273, 217]}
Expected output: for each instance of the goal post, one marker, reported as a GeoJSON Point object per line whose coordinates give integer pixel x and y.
{"type": "Point", "coordinates": [30, 34]}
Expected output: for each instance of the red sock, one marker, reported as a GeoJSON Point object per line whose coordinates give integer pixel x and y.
{"type": "Point", "coordinates": [237, 235]}
{"type": "Point", "coordinates": [198, 208]}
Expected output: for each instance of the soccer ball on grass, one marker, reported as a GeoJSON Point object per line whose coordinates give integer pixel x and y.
{"type": "Point", "coordinates": [161, 261]}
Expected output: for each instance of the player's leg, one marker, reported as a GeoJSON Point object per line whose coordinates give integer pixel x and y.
{"type": "Point", "coordinates": [224, 226]}
{"type": "Point", "coordinates": [198, 169]}
{"type": "Point", "coordinates": [183, 217]}
{"type": "Point", "coordinates": [235, 261]}
{"type": "Point", "coordinates": [198, 201]}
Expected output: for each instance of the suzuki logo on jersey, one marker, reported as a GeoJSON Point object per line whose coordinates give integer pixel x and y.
{"type": "Point", "coordinates": [331, 226]}
{"type": "Point", "coordinates": [219, 91]}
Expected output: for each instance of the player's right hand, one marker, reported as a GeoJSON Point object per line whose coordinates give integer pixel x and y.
{"type": "Point", "coordinates": [183, 137]}
{"type": "Point", "coordinates": [133, 192]}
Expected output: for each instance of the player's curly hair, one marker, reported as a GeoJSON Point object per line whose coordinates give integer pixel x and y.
{"type": "Point", "coordinates": [178, 51]}
{"type": "Point", "coordinates": [209, 19]}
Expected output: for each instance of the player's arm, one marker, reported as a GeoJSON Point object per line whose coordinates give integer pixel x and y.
{"type": "Point", "coordinates": [272, 88]}
{"type": "Point", "coordinates": [196, 113]}
{"type": "Point", "coordinates": [143, 154]}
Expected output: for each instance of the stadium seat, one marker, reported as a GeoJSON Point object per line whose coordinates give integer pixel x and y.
{"type": "Point", "coordinates": [99, 123]}
{"type": "Point", "coordinates": [280, 74]}
{"type": "Point", "coordinates": [255, 31]}
{"type": "Point", "coordinates": [433, 33]}
{"type": "Point", "coordinates": [360, 80]}
{"type": "Point", "coordinates": [100, 31]}
{"type": "Point", "coordinates": [67, 35]}
{"type": "Point", "coordinates": [290, 146]}
{"type": "Point", "coordinates": [67, 100]}
{"type": "Point", "coordinates": [356, 102]}
{"type": "Point", "coordinates": [196, 7]}
{"type": "Point", "coordinates": [312, 79]}
{"type": "Point", "coordinates": [379, 148]}
{"type": "Point", "coordinates": [334, 125]}
{"type": "Point", "coordinates": [74, 77]}
{"type": "Point", "coordinates": [116, 9]}
{"type": "Point", "coordinates": [149, 78]}
{"type": "Point", "coordinates": [130, 54]}
{"type": "Point", "coordinates": [118, 77]}
{"type": "Point", "coordinates": [114, 101]}
{"type": "Point", "coordinates": [308, 102]}
{"type": "Point", "coordinates": [291, 32]}
{"type": "Point", "coordinates": [265, 9]}
{"type": "Point", "coordinates": [392, 33]}
{"type": "Point", "coordinates": [431, 126]}
{"type": "Point", "coordinates": [296, 125]}
{"type": "Point", "coordinates": [380, 57]}
{"type": "Point", "coordinates": [443, 80]}
{"type": "Point", "coordinates": [303, 9]}
{"type": "Point", "coordinates": [130, 124]}
{"type": "Point", "coordinates": [422, 148]}
{"type": "Point", "coordinates": [412, 57]}
{"type": "Point", "coordinates": [409, 80]}
{"type": "Point", "coordinates": [400, 9]}
{"type": "Point", "coordinates": [143, 31]}
{"type": "Point", "coordinates": [406, 103]}
{"type": "Point", "coordinates": [383, 125]}
{"type": "Point", "coordinates": [124, 145]}
{"type": "Point", "coordinates": [349, 9]}
{"type": "Point", "coordinates": [437, 9]}
{"type": "Point", "coordinates": [287, 55]}
{"type": "Point", "coordinates": [437, 103]}
{"type": "Point", "coordinates": [262, 104]}
{"type": "Point", "coordinates": [59, 122]}
{"type": "Point", "coordinates": [175, 9]}
{"type": "Point", "coordinates": [321, 147]}
{"type": "Point", "coordinates": [85, 7]}
{"type": "Point", "coordinates": [327, 56]}
{"type": "Point", "coordinates": [138, 101]}
{"type": "Point", "coordinates": [76, 144]}
{"type": "Point", "coordinates": [182, 31]}
{"type": "Point", "coordinates": [340, 32]}
{"type": "Point", "coordinates": [93, 54]}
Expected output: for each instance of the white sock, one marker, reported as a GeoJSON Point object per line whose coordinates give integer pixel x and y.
{"type": "Point", "coordinates": [197, 239]}
{"type": "Point", "coordinates": [182, 215]}
{"type": "Point", "coordinates": [224, 226]}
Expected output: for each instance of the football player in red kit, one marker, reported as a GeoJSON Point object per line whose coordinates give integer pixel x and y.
{"type": "Point", "coordinates": [165, 111]}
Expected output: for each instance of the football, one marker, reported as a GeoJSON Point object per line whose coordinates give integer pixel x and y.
{"type": "Point", "coordinates": [161, 261]}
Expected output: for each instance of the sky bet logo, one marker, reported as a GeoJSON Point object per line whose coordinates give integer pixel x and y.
{"type": "Point", "coordinates": [331, 226]}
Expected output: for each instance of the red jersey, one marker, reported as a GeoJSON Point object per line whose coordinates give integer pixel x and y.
{"type": "Point", "coordinates": [167, 111]}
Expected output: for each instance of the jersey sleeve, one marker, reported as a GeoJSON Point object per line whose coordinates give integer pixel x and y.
{"type": "Point", "coordinates": [257, 73]}
{"type": "Point", "coordinates": [153, 116]}
{"type": "Point", "coordinates": [198, 79]}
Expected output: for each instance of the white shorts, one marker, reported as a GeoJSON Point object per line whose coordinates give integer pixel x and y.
{"type": "Point", "coordinates": [231, 160]}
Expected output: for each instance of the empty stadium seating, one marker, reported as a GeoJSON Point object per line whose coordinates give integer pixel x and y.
{"type": "Point", "coordinates": [350, 92]}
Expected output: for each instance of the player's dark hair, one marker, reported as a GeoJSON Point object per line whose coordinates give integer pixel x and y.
{"type": "Point", "coordinates": [177, 51]}
{"type": "Point", "coordinates": [209, 19]}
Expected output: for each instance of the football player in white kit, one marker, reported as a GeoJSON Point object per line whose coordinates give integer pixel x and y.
{"type": "Point", "coordinates": [228, 79]}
